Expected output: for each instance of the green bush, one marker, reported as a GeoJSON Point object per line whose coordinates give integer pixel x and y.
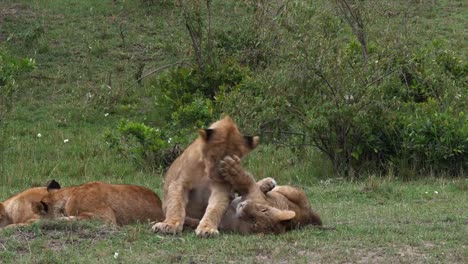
{"type": "Point", "coordinates": [140, 142]}
{"type": "Point", "coordinates": [186, 98]}
{"type": "Point", "coordinates": [433, 140]}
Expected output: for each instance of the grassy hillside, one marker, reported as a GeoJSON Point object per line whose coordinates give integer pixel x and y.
{"type": "Point", "coordinates": [88, 54]}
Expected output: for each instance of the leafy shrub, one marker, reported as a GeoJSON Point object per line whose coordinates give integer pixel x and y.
{"type": "Point", "coordinates": [186, 98]}
{"type": "Point", "coordinates": [140, 142]}
{"type": "Point", "coordinates": [433, 140]}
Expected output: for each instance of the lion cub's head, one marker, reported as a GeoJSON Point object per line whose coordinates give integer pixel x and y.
{"type": "Point", "coordinates": [223, 138]}
{"type": "Point", "coordinates": [261, 218]}
{"type": "Point", "coordinates": [48, 207]}
{"type": "Point", "coordinates": [3, 216]}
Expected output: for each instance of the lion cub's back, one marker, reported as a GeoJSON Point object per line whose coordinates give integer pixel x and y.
{"type": "Point", "coordinates": [130, 203]}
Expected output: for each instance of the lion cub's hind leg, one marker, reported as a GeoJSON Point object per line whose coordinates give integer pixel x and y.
{"type": "Point", "coordinates": [105, 214]}
{"type": "Point", "coordinates": [294, 195]}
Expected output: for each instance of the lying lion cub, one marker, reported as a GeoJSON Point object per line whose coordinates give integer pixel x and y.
{"type": "Point", "coordinates": [18, 210]}
{"type": "Point", "coordinates": [192, 188]}
{"type": "Point", "coordinates": [263, 207]}
{"type": "Point", "coordinates": [118, 204]}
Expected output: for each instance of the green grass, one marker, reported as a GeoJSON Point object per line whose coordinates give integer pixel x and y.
{"type": "Point", "coordinates": [394, 222]}
{"type": "Point", "coordinates": [86, 71]}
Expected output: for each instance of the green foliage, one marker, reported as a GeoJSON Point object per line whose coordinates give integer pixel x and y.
{"type": "Point", "coordinates": [431, 125]}
{"type": "Point", "coordinates": [142, 143]}
{"type": "Point", "coordinates": [383, 112]}
{"type": "Point", "coordinates": [10, 69]}
{"type": "Point", "coordinates": [187, 98]}
{"type": "Point", "coordinates": [433, 140]}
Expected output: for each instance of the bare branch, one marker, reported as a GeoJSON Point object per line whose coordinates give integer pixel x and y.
{"type": "Point", "coordinates": [356, 22]}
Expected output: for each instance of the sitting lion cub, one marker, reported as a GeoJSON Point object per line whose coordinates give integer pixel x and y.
{"type": "Point", "coordinates": [192, 188]}
{"type": "Point", "coordinates": [263, 207]}
{"type": "Point", "coordinates": [18, 210]}
{"type": "Point", "coordinates": [118, 204]}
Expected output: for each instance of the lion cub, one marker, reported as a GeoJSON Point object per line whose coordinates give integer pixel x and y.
{"type": "Point", "coordinates": [18, 210]}
{"type": "Point", "coordinates": [263, 207]}
{"type": "Point", "coordinates": [192, 188]}
{"type": "Point", "coordinates": [118, 204]}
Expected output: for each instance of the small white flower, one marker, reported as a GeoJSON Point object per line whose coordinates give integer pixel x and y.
{"type": "Point", "coordinates": [106, 114]}
{"type": "Point", "coordinates": [376, 61]}
{"type": "Point", "coordinates": [426, 192]}
{"type": "Point", "coordinates": [39, 135]}
{"type": "Point", "coordinates": [436, 192]}
{"type": "Point", "coordinates": [66, 140]}
{"type": "Point", "coordinates": [116, 254]}
{"type": "Point", "coordinates": [458, 96]}
{"type": "Point", "coordinates": [169, 140]}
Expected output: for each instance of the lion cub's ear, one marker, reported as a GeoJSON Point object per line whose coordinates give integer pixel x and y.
{"type": "Point", "coordinates": [252, 142]}
{"type": "Point", "coordinates": [206, 134]}
{"type": "Point", "coordinates": [40, 208]}
{"type": "Point", "coordinates": [53, 185]}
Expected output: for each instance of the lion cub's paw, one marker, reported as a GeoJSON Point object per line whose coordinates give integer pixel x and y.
{"type": "Point", "coordinates": [68, 218]}
{"type": "Point", "coordinates": [16, 225]}
{"type": "Point", "coordinates": [230, 166]}
{"type": "Point", "coordinates": [267, 185]}
{"type": "Point", "coordinates": [206, 231]}
{"type": "Point", "coordinates": [166, 228]}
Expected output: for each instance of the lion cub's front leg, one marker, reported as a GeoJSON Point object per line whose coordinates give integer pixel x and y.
{"type": "Point", "coordinates": [231, 171]}
{"type": "Point", "coordinates": [174, 209]}
{"type": "Point", "coordinates": [217, 206]}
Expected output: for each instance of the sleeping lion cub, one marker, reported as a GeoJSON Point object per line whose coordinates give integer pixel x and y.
{"type": "Point", "coordinates": [192, 188]}
{"type": "Point", "coordinates": [18, 210]}
{"type": "Point", "coordinates": [263, 207]}
{"type": "Point", "coordinates": [118, 204]}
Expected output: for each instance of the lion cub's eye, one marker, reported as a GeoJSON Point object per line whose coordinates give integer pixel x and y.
{"type": "Point", "coordinates": [264, 210]}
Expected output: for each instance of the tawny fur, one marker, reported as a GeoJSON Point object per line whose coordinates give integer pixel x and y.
{"type": "Point", "coordinates": [118, 204]}
{"type": "Point", "coordinates": [18, 210]}
{"type": "Point", "coordinates": [192, 188]}
{"type": "Point", "coordinates": [263, 206]}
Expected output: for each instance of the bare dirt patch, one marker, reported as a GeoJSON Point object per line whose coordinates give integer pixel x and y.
{"type": "Point", "coordinates": [58, 235]}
